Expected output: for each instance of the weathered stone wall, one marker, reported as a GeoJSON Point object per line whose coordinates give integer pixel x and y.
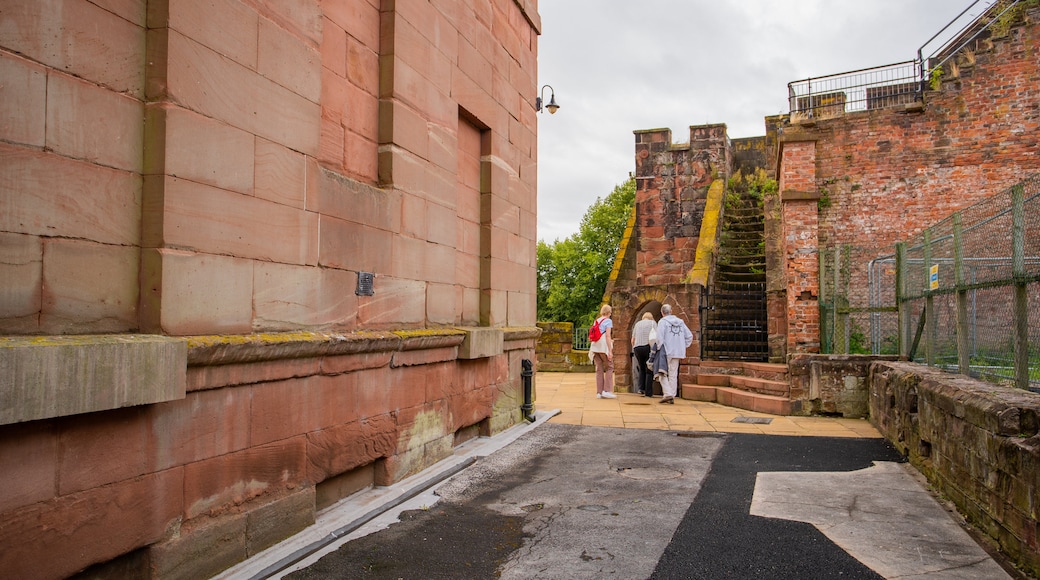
{"type": "Point", "coordinates": [878, 177]}
{"type": "Point", "coordinates": [976, 442]}
{"type": "Point", "coordinates": [556, 350]}
{"type": "Point", "coordinates": [672, 182]}
{"type": "Point", "coordinates": [224, 171]}
{"type": "Point", "coordinates": [191, 486]}
{"type": "Point", "coordinates": [824, 384]}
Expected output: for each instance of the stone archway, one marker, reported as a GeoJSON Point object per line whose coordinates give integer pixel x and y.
{"type": "Point", "coordinates": [654, 308]}
{"type": "Point", "coordinates": [629, 304]}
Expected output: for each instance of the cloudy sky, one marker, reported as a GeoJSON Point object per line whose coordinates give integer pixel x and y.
{"type": "Point", "coordinates": [623, 65]}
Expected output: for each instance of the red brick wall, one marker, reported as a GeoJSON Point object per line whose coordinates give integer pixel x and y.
{"type": "Point", "coordinates": [887, 174]}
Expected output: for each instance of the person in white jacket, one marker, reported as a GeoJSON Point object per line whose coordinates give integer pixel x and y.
{"type": "Point", "coordinates": [674, 337]}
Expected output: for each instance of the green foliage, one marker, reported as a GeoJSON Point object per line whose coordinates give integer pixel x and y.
{"type": "Point", "coordinates": [757, 185]}
{"type": "Point", "coordinates": [935, 78]}
{"type": "Point", "coordinates": [573, 273]}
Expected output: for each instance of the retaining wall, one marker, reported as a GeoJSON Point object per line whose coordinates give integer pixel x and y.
{"type": "Point", "coordinates": [976, 442]}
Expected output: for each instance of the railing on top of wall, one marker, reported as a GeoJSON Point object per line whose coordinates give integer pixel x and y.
{"type": "Point", "coordinates": [901, 83]}
{"type": "Point", "coordinates": [861, 90]}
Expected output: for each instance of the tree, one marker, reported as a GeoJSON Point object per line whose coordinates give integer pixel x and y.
{"type": "Point", "coordinates": [573, 273]}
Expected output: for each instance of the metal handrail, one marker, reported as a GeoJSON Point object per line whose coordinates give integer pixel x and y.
{"type": "Point", "coordinates": [865, 89]}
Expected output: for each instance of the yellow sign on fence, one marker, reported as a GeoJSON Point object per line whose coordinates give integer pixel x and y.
{"type": "Point", "coordinates": [933, 277]}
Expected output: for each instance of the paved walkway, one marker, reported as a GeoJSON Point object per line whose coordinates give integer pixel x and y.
{"type": "Point", "coordinates": [574, 394]}
{"type": "Point", "coordinates": [636, 489]}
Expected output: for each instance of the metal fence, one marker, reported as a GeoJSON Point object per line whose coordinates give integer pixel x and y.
{"type": "Point", "coordinates": [969, 297]}
{"type": "Point", "coordinates": [581, 338]}
{"type": "Point", "coordinates": [903, 82]}
{"type": "Point", "coordinates": [964, 295]}
{"type": "Point", "coordinates": [861, 90]}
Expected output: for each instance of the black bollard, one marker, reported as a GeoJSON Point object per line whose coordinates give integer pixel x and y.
{"type": "Point", "coordinates": [527, 374]}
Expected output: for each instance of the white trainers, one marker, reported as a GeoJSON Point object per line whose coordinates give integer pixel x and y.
{"type": "Point", "coordinates": [599, 395]}
{"type": "Point", "coordinates": [607, 395]}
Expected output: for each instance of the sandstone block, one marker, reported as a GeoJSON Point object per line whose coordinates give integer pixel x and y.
{"type": "Point", "coordinates": [63, 376]}
{"type": "Point", "coordinates": [413, 216]}
{"type": "Point", "coordinates": [522, 309]}
{"type": "Point", "coordinates": [21, 267]}
{"type": "Point", "coordinates": [203, 425]}
{"type": "Point", "coordinates": [395, 303]}
{"type": "Point", "coordinates": [442, 224]}
{"type": "Point", "coordinates": [404, 127]}
{"type": "Point", "coordinates": [222, 222]}
{"type": "Point", "coordinates": [280, 174]}
{"type": "Point", "coordinates": [481, 342]}
{"type": "Point", "coordinates": [226, 27]}
{"type": "Point", "coordinates": [470, 408]}
{"type": "Point", "coordinates": [424, 357]}
{"type": "Point", "coordinates": [198, 293]}
{"type": "Point", "coordinates": [89, 287]}
{"type": "Point", "coordinates": [96, 44]}
{"type": "Point", "coordinates": [204, 81]}
{"type": "Point", "coordinates": [361, 157]}
{"type": "Point", "coordinates": [332, 365]}
{"type": "Point", "coordinates": [441, 303]}
{"type": "Point", "coordinates": [84, 529]}
{"type": "Point", "coordinates": [340, 486]}
{"type": "Point", "coordinates": [301, 17]}
{"type": "Point", "coordinates": [359, 19]}
{"type": "Point", "coordinates": [48, 195]}
{"type": "Point", "coordinates": [229, 375]}
{"type": "Point", "coordinates": [290, 297]}
{"type": "Point", "coordinates": [349, 200]}
{"type": "Point", "coordinates": [334, 49]}
{"type": "Point", "coordinates": [331, 142]}
{"type": "Point", "coordinates": [363, 66]}
{"type": "Point", "coordinates": [443, 147]}
{"type": "Point", "coordinates": [352, 246]}
{"type": "Point", "coordinates": [102, 448]}
{"type": "Point", "coordinates": [342, 448]}
{"type": "Point", "coordinates": [289, 61]}
{"type": "Point", "coordinates": [202, 549]}
{"type": "Point", "coordinates": [199, 149]}
{"type": "Point", "coordinates": [28, 464]}
{"type": "Point", "coordinates": [85, 121]}
{"type": "Point", "coordinates": [23, 101]}
{"type": "Point", "coordinates": [214, 485]}
{"type": "Point", "coordinates": [283, 409]}
{"type": "Point", "coordinates": [271, 523]}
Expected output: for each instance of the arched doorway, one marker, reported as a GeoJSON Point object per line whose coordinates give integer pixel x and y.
{"type": "Point", "coordinates": [654, 308]}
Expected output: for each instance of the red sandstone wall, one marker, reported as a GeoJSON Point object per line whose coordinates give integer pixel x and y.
{"type": "Point", "coordinates": [190, 168]}
{"type": "Point", "coordinates": [888, 174]}
{"type": "Point", "coordinates": [198, 168]}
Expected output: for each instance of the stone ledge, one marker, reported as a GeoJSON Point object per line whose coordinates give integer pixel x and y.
{"type": "Point", "coordinates": [57, 376]}
{"type": "Point", "coordinates": [481, 342]}
{"type": "Point", "coordinates": [237, 348]}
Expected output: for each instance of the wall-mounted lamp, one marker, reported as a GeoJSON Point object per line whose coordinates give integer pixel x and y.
{"type": "Point", "coordinates": [552, 106]}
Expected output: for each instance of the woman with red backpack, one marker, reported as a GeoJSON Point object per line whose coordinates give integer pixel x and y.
{"type": "Point", "coordinates": [601, 352]}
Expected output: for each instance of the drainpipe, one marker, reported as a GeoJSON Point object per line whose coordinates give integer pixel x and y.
{"type": "Point", "coordinates": [527, 374]}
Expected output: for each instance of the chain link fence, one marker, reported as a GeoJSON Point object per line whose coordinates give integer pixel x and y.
{"type": "Point", "coordinates": [964, 295]}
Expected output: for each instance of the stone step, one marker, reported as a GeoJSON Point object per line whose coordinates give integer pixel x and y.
{"type": "Point", "coordinates": [771, 371]}
{"type": "Point", "coordinates": [731, 397]}
{"type": "Point", "coordinates": [744, 383]}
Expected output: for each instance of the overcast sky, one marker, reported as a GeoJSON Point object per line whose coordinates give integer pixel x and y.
{"type": "Point", "coordinates": [618, 66]}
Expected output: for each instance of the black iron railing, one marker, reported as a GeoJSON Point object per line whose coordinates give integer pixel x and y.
{"type": "Point", "coordinates": [901, 83]}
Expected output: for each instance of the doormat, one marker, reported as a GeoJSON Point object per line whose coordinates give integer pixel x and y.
{"type": "Point", "coordinates": [755, 420]}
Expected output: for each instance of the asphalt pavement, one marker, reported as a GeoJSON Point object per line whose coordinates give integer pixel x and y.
{"type": "Point", "coordinates": [555, 500]}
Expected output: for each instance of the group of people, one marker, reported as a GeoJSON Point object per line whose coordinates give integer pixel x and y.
{"type": "Point", "coordinates": [658, 348]}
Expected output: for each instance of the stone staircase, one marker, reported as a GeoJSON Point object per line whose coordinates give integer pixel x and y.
{"type": "Point", "coordinates": [734, 311]}
{"type": "Point", "coordinates": [755, 386]}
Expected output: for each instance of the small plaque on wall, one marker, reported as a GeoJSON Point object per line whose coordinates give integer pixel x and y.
{"type": "Point", "coordinates": [365, 282]}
